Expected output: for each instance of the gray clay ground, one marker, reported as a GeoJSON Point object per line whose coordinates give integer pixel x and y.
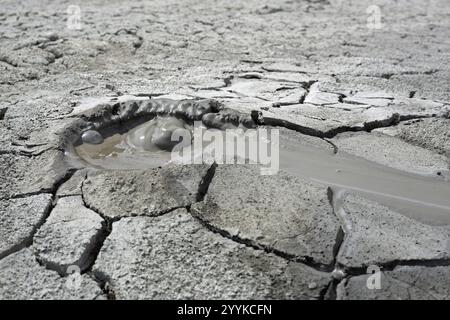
{"type": "Point", "coordinates": [318, 67]}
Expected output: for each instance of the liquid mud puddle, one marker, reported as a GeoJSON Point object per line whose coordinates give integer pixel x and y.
{"type": "Point", "coordinates": [424, 198]}
{"type": "Point", "coordinates": [133, 145]}
{"type": "Point", "coordinates": [148, 144]}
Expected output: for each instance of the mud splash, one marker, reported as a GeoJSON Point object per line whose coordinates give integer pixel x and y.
{"type": "Point", "coordinates": [130, 146]}
{"type": "Point", "coordinates": [134, 134]}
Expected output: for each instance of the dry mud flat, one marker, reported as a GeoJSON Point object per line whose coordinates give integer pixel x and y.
{"type": "Point", "coordinates": [222, 231]}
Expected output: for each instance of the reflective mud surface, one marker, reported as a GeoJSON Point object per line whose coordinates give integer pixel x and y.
{"type": "Point", "coordinates": [132, 146]}
{"type": "Point", "coordinates": [148, 144]}
{"type": "Point", "coordinates": [424, 198]}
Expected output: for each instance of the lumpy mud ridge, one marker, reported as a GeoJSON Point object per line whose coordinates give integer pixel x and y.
{"type": "Point", "coordinates": [352, 103]}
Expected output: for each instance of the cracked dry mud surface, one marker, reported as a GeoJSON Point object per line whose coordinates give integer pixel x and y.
{"type": "Point", "coordinates": [313, 68]}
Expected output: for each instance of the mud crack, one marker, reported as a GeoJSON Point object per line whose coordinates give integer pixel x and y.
{"type": "Point", "coordinates": [308, 261]}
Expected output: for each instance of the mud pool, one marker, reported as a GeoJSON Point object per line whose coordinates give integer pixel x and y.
{"type": "Point", "coordinates": [136, 145]}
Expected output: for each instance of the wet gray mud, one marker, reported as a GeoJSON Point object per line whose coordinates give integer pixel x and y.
{"type": "Point", "coordinates": [147, 143]}
{"type": "Point", "coordinates": [133, 145]}
{"type": "Point", "coordinates": [138, 134]}
{"type": "Point", "coordinates": [424, 198]}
